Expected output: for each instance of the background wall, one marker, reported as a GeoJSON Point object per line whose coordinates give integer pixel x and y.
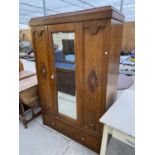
{"type": "Point", "coordinates": [128, 42]}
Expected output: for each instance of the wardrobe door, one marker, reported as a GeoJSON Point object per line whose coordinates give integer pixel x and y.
{"type": "Point", "coordinates": [40, 43]}
{"type": "Point", "coordinates": [65, 71]}
{"type": "Point", "coordinates": [95, 46]}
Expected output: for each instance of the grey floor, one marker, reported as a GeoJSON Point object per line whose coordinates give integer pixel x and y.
{"type": "Point", "coordinates": [39, 139]}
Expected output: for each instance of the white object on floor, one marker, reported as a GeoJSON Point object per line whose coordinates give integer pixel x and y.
{"type": "Point", "coordinates": [119, 120]}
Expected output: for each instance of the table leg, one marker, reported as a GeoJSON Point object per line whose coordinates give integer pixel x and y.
{"type": "Point", "coordinates": [106, 132]}
{"type": "Point", "coordinates": [22, 113]}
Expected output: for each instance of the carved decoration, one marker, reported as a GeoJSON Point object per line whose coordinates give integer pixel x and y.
{"type": "Point", "coordinates": [43, 70]}
{"type": "Point", "coordinates": [39, 33]}
{"type": "Point", "coordinates": [93, 81]}
{"type": "Point", "coordinates": [95, 26]}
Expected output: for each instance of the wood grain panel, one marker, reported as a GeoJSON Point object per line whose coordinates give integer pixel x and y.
{"type": "Point", "coordinates": [113, 62]}
{"type": "Point", "coordinates": [40, 39]}
{"type": "Point", "coordinates": [128, 42]}
{"type": "Point", "coordinates": [95, 62]}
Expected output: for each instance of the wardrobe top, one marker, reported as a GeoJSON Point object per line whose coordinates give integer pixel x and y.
{"type": "Point", "coordinates": [106, 12]}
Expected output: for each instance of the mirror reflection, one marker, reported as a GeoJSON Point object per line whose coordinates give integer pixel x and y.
{"type": "Point", "coordinates": [64, 53]}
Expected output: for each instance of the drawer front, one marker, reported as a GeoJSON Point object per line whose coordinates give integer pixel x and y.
{"type": "Point", "coordinates": [74, 132]}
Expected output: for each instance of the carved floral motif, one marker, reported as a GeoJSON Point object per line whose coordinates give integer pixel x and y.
{"type": "Point", "coordinates": [92, 81]}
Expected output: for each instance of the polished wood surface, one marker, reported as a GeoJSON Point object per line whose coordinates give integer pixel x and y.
{"type": "Point", "coordinates": [25, 74]}
{"type": "Point", "coordinates": [115, 41]}
{"type": "Point", "coordinates": [98, 36]}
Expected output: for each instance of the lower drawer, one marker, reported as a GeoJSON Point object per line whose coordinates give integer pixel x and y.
{"type": "Point", "coordinates": [73, 132]}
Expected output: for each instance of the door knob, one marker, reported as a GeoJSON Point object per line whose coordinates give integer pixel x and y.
{"type": "Point", "coordinates": [52, 76]}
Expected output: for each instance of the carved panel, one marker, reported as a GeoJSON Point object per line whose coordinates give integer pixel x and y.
{"type": "Point", "coordinates": [39, 33]}
{"type": "Point", "coordinates": [95, 26]}
{"type": "Point", "coordinates": [92, 81]}
{"type": "Point", "coordinates": [43, 70]}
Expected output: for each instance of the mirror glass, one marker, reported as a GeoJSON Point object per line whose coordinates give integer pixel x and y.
{"type": "Point", "coordinates": [64, 53]}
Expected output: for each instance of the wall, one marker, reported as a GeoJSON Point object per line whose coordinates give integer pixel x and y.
{"type": "Point", "coordinates": [128, 42]}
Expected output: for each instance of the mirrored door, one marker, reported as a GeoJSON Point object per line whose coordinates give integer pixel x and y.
{"type": "Point", "coordinates": [64, 57]}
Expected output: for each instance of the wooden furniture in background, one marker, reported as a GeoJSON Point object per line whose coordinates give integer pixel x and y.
{"type": "Point", "coordinates": [119, 121]}
{"type": "Point", "coordinates": [25, 34]}
{"type": "Point", "coordinates": [98, 35]}
{"type": "Point", "coordinates": [25, 74]}
{"type": "Point", "coordinates": [128, 41]}
{"type": "Point", "coordinates": [21, 67]}
{"type": "Point", "coordinates": [28, 96]}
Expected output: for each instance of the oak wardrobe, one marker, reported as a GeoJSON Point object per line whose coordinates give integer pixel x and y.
{"type": "Point", "coordinates": [77, 61]}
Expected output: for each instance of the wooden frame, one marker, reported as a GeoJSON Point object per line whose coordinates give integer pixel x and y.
{"type": "Point", "coordinates": [63, 28]}
{"type": "Point", "coordinates": [98, 34]}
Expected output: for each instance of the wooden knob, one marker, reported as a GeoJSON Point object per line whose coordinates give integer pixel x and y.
{"type": "Point", "coordinates": [52, 76]}
{"type": "Point", "coordinates": [83, 138]}
{"type": "Point", "coordinates": [106, 52]}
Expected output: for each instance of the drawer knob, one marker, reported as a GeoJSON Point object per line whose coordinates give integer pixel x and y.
{"type": "Point", "coordinates": [83, 138]}
{"type": "Point", "coordinates": [106, 52]}
{"type": "Point", "coordinates": [53, 123]}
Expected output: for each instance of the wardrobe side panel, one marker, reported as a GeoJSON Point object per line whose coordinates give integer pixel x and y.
{"type": "Point", "coordinates": [113, 64]}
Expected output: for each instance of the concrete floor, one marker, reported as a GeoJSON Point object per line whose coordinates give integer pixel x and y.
{"type": "Point", "coordinates": [39, 139]}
